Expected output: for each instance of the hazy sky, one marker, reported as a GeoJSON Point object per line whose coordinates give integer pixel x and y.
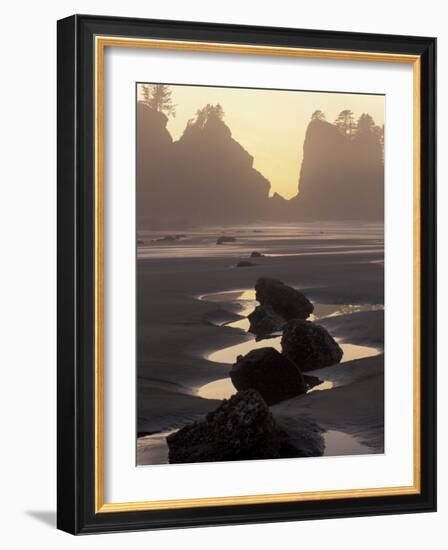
{"type": "Point", "coordinates": [270, 124]}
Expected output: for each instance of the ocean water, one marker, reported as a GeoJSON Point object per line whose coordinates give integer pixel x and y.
{"type": "Point", "coordinates": [274, 240]}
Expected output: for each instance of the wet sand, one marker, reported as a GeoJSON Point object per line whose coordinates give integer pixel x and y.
{"type": "Point", "coordinates": [354, 405]}
{"type": "Point", "coordinates": [177, 330]}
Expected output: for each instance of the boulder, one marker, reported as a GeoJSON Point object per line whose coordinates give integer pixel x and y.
{"type": "Point", "coordinates": [262, 324]}
{"type": "Point", "coordinates": [168, 238]}
{"type": "Point", "coordinates": [282, 300]}
{"type": "Point", "coordinates": [241, 428]}
{"type": "Point", "coordinates": [223, 239]}
{"type": "Point", "coordinates": [269, 372]}
{"type": "Point", "coordinates": [244, 263]}
{"type": "Point", "coordinates": [309, 346]}
{"type": "Point", "coordinates": [311, 381]}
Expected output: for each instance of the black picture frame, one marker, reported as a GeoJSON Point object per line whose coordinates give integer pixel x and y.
{"type": "Point", "coordinates": [76, 285]}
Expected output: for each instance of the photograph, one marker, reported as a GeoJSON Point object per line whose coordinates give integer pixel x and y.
{"type": "Point", "coordinates": [221, 227]}
{"type": "Point", "coordinates": [246, 274]}
{"type": "Point", "coordinates": [259, 273]}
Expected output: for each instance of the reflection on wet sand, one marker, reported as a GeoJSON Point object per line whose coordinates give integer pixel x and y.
{"type": "Point", "coordinates": [172, 355]}
{"type": "Point", "coordinates": [228, 355]}
{"type": "Point", "coordinates": [341, 443]}
{"type": "Point", "coordinates": [223, 388]}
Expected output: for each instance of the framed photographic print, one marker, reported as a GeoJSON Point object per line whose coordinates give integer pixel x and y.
{"type": "Point", "coordinates": [246, 274]}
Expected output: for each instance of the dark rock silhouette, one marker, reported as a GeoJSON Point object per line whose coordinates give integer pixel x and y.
{"type": "Point", "coordinates": [341, 178]}
{"type": "Point", "coordinates": [261, 323]}
{"type": "Point", "coordinates": [282, 300]}
{"type": "Point", "coordinates": [245, 263]}
{"type": "Point", "coordinates": [204, 177]}
{"type": "Point", "coordinates": [269, 372]}
{"type": "Point", "coordinates": [219, 182]}
{"type": "Point", "coordinates": [256, 254]}
{"type": "Point", "coordinates": [223, 239]}
{"type": "Point", "coordinates": [278, 208]}
{"type": "Point", "coordinates": [170, 238]}
{"type": "Point", "coordinates": [241, 428]}
{"type": "Point", "coordinates": [309, 346]}
{"type": "Point", "coordinates": [154, 166]}
{"type": "Point", "coordinates": [207, 177]}
{"type": "Point", "coordinates": [311, 381]}
{"type": "Point", "coordinates": [279, 304]}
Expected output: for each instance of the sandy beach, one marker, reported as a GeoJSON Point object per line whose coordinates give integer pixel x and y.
{"type": "Point", "coordinates": [184, 317]}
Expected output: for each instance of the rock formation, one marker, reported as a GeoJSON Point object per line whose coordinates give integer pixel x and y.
{"type": "Point", "coordinates": [241, 428]}
{"type": "Point", "coordinates": [269, 372]}
{"type": "Point", "coordinates": [204, 177]}
{"type": "Point", "coordinates": [279, 303]}
{"type": "Point", "coordinates": [309, 346]}
{"type": "Point", "coordinates": [245, 263]}
{"type": "Point", "coordinates": [224, 239]}
{"type": "Point", "coordinates": [262, 324]}
{"type": "Point", "coordinates": [154, 160]}
{"type": "Point", "coordinates": [281, 299]}
{"type": "Point", "coordinates": [341, 178]}
{"type": "Point", "coordinates": [207, 177]}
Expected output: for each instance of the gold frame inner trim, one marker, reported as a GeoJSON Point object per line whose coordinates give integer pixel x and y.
{"type": "Point", "coordinates": [101, 42]}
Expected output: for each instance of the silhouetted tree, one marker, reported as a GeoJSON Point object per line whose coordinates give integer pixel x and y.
{"type": "Point", "coordinates": [204, 115]}
{"type": "Point", "coordinates": [318, 115]}
{"type": "Point", "coordinates": [207, 113]}
{"type": "Point", "coordinates": [379, 132]}
{"type": "Point", "coordinates": [159, 98]}
{"type": "Point", "coordinates": [365, 123]}
{"type": "Point", "coordinates": [346, 122]}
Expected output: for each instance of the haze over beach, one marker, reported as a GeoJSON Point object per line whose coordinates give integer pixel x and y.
{"type": "Point", "coordinates": [207, 176]}
{"type": "Point", "coordinates": [260, 273]}
{"type": "Point", "coordinates": [277, 153]}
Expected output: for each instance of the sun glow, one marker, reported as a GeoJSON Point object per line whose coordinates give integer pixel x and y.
{"type": "Point", "coordinates": [270, 124]}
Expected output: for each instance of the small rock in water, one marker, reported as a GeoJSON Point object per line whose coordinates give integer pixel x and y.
{"type": "Point", "coordinates": [168, 238]}
{"type": "Point", "coordinates": [279, 304]}
{"type": "Point", "coordinates": [269, 372]}
{"type": "Point", "coordinates": [223, 239]}
{"type": "Point", "coordinates": [281, 299]}
{"type": "Point", "coordinates": [244, 263]}
{"type": "Point", "coordinates": [241, 428]}
{"type": "Point", "coordinates": [310, 346]}
{"type": "Point", "coordinates": [311, 381]}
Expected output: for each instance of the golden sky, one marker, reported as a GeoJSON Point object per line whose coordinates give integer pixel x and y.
{"type": "Point", "coordinates": [270, 124]}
